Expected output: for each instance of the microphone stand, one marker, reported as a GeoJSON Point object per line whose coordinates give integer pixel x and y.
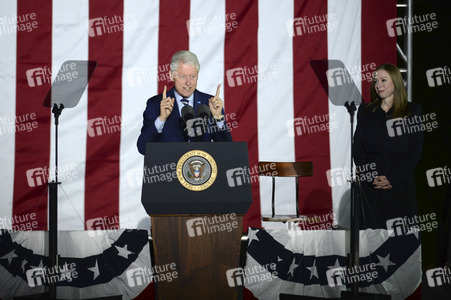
{"type": "Point", "coordinates": [53, 206]}
{"type": "Point", "coordinates": [337, 93]}
{"type": "Point", "coordinates": [355, 205]}
{"type": "Point", "coordinates": [356, 208]}
{"type": "Point", "coordinates": [62, 94]}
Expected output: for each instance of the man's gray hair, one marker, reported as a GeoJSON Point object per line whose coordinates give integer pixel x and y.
{"type": "Point", "coordinates": [185, 57]}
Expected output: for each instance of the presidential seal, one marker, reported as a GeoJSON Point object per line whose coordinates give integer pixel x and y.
{"type": "Point", "coordinates": [196, 170]}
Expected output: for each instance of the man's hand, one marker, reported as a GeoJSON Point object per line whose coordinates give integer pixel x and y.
{"type": "Point", "coordinates": [166, 106]}
{"type": "Point", "coordinates": [216, 104]}
{"type": "Point", "coordinates": [381, 183]}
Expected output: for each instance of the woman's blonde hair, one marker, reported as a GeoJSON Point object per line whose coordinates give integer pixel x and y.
{"type": "Point", "coordinates": [400, 107]}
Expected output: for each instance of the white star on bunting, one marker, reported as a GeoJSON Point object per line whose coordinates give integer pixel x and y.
{"type": "Point", "coordinates": [252, 235]}
{"type": "Point", "coordinates": [24, 262]}
{"type": "Point", "coordinates": [10, 256]}
{"type": "Point", "coordinates": [41, 265]}
{"type": "Point", "coordinates": [337, 265]}
{"type": "Point", "coordinates": [123, 251]}
{"type": "Point", "coordinates": [313, 270]}
{"type": "Point", "coordinates": [293, 266]}
{"type": "Point", "coordinates": [385, 262]}
{"type": "Point", "coordinates": [95, 270]}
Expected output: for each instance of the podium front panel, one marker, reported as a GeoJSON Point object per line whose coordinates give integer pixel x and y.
{"type": "Point", "coordinates": [196, 178]}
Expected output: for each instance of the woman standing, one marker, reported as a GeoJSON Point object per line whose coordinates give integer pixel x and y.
{"type": "Point", "coordinates": [388, 139]}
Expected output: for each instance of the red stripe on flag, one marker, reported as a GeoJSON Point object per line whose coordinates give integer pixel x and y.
{"type": "Point", "coordinates": [104, 104]}
{"type": "Point", "coordinates": [173, 35]}
{"type": "Point", "coordinates": [377, 46]}
{"type": "Point", "coordinates": [32, 149]}
{"type": "Point", "coordinates": [310, 101]}
{"type": "Point", "coordinates": [241, 50]}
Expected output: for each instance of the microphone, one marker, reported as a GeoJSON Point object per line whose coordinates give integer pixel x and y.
{"type": "Point", "coordinates": [187, 113]}
{"type": "Point", "coordinates": [203, 111]}
{"type": "Point", "coordinates": [203, 114]}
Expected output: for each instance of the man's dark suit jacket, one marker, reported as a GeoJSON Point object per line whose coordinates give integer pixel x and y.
{"type": "Point", "coordinates": [172, 130]}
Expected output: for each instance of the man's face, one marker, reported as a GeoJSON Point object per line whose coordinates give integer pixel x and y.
{"type": "Point", "coordinates": [185, 79]}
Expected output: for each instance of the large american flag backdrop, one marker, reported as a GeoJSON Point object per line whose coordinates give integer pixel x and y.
{"type": "Point", "coordinates": [258, 50]}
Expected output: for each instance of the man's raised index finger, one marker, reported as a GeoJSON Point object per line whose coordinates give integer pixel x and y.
{"type": "Point", "coordinates": [164, 93]}
{"type": "Point", "coordinates": [217, 90]}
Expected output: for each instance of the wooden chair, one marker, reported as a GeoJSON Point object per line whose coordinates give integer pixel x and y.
{"type": "Point", "coordinates": [284, 169]}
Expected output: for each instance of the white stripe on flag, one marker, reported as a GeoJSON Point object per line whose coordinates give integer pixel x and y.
{"type": "Point", "coordinates": [70, 42]}
{"type": "Point", "coordinates": [344, 43]}
{"type": "Point", "coordinates": [139, 83]}
{"type": "Point", "coordinates": [207, 19]}
{"type": "Point", "coordinates": [7, 109]}
{"type": "Point", "coordinates": [275, 101]}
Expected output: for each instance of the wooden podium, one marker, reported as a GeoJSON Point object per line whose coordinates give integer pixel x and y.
{"type": "Point", "coordinates": [197, 224]}
{"type": "Point", "coordinates": [202, 261]}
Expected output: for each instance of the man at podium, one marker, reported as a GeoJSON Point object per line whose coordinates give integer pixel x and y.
{"type": "Point", "coordinates": [166, 119]}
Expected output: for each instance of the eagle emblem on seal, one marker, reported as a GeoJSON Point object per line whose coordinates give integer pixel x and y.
{"type": "Point", "coordinates": [196, 170]}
